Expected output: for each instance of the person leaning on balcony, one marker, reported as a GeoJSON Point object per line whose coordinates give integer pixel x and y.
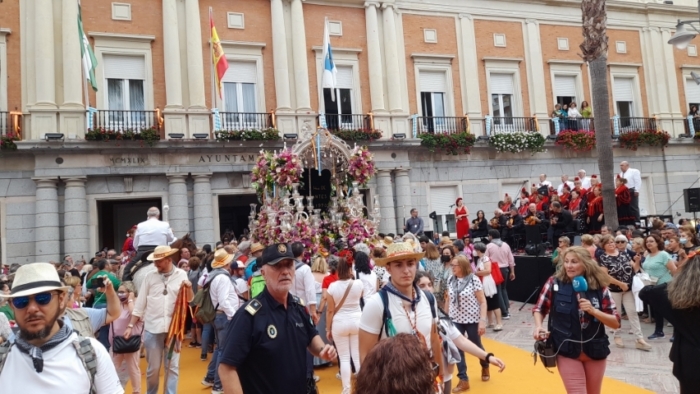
{"type": "Point", "coordinates": [574, 115]}
{"type": "Point", "coordinates": [586, 110]}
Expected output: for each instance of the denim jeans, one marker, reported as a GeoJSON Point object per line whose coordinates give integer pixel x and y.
{"type": "Point", "coordinates": [220, 324]}
{"type": "Point", "coordinates": [207, 338]}
{"type": "Point", "coordinates": [157, 354]}
{"type": "Point", "coordinates": [503, 300]}
{"type": "Point", "coordinates": [471, 331]}
{"type": "Point", "coordinates": [103, 334]}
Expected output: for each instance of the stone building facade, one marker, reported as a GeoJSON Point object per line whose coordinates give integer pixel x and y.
{"type": "Point", "coordinates": [404, 65]}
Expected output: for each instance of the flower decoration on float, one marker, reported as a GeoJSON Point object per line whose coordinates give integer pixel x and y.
{"type": "Point", "coordinates": [361, 166]}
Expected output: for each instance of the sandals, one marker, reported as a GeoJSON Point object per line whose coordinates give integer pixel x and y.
{"type": "Point", "coordinates": [498, 327]}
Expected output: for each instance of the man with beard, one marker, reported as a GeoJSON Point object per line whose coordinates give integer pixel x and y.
{"type": "Point", "coordinates": [48, 357]}
{"type": "Point", "coordinates": [271, 333]}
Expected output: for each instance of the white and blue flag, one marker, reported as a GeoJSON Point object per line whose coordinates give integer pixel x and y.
{"type": "Point", "coordinates": [330, 73]}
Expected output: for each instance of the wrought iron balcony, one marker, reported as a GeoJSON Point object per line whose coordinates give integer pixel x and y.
{"type": "Point", "coordinates": [510, 124]}
{"type": "Point", "coordinates": [692, 125]}
{"type": "Point", "coordinates": [121, 120]}
{"type": "Point", "coordinates": [346, 122]}
{"type": "Point", "coordinates": [440, 124]}
{"type": "Point", "coordinates": [557, 125]}
{"type": "Point", "coordinates": [628, 124]}
{"type": "Point", "coordinates": [233, 121]}
{"type": "Point", "coordinates": [11, 124]}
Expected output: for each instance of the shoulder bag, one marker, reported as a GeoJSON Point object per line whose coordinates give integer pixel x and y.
{"type": "Point", "coordinates": [121, 345]}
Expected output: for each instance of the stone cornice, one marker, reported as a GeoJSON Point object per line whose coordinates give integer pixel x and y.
{"type": "Point", "coordinates": [122, 37]}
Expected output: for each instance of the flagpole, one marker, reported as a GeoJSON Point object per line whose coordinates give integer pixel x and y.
{"type": "Point", "coordinates": [321, 96]}
{"type": "Point", "coordinates": [211, 61]}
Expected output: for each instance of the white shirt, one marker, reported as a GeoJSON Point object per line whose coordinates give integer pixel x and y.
{"type": "Point", "coordinates": [370, 284]}
{"type": "Point", "coordinates": [304, 285]}
{"type": "Point", "coordinates": [242, 288]}
{"type": "Point", "coordinates": [223, 295]}
{"type": "Point", "coordinates": [586, 182]}
{"type": "Point", "coordinates": [371, 320]}
{"type": "Point", "coordinates": [545, 183]}
{"type": "Point", "coordinates": [351, 305]}
{"type": "Point", "coordinates": [63, 371]}
{"type": "Point", "coordinates": [560, 188]}
{"type": "Point", "coordinates": [154, 307]}
{"type": "Point", "coordinates": [573, 113]}
{"type": "Point", "coordinates": [153, 232]}
{"type": "Point", "coordinates": [634, 179]}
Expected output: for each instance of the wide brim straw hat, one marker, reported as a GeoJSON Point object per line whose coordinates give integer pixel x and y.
{"type": "Point", "coordinates": [161, 252]}
{"type": "Point", "coordinates": [398, 251]}
{"type": "Point", "coordinates": [256, 247]}
{"type": "Point", "coordinates": [221, 259]}
{"type": "Point", "coordinates": [35, 278]}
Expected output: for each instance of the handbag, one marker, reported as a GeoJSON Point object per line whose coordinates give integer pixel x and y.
{"type": "Point", "coordinates": [496, 273]}
{"type": "Point", "coordinates": [121, 345]}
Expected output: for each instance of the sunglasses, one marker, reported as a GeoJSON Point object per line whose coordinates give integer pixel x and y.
{"type": "Point", "coordinates": [620, 242]}
{"type": "Point", "coordinates": [42, 299]}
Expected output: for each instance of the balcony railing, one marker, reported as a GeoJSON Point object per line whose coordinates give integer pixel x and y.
{"type": "Point", "coordinates": [440, 124]}
{"type": "Point", "coordinates": [346, 122]}
{"type": "Point", "coordinates": [692, 125]}
{"type": "Point", "coordinates": [557, 125]}
{"type": "Point", "coordinates": [232, 121]}
{"type": "Point", "coordinates": [11, 123]}
{"type": "Point", "coordinates": [120, 120]}
{"type": "Point", "coordinates": [501, 124]}
{"type": "Point", "coordinates": [627, 124]}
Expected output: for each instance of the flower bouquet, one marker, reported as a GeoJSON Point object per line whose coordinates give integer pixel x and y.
{"type": "Point", "coordinates": [261, 177]}
{"type": "Point", "coordinates": [361, 166]}
{"type": "Point", "coordinates": [286, 169]}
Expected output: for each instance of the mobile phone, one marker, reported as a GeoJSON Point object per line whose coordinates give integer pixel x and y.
{"type": "Point", "coordinates": [98, 282]}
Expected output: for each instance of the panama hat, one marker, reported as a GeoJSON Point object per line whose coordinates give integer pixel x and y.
{"type": "Point", "coordinates": [221, 258]}
{"type": "Point", "coordinates": [35, 278]}
{"type": "Point", "coordinates": [256, 248]}
{"type": "Point", "coordinates": [161, 252]}
{"type": "Point", "coordinates": [398, 251]}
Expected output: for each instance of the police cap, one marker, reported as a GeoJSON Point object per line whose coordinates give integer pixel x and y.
{"type": "Point", "coordinates": [273, 254]}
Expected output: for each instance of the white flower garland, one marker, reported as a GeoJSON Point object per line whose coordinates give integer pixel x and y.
{"type": "Point", "coordinates": [518, 141]}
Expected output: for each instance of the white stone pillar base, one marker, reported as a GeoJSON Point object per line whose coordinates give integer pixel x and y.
{"type": "Point", "coordinates": [286, 122]}
{"type": "Point", "coordinates": [203, 217]}
{"type": "Point", "coordinates": [72, 123]}
{"type": "Point", "coordinates": [197, 123]}
{"type": "Point", "coordinates": [174, 122]}
{"type": "Point", "coordinates": [178, 214]}
{"type": "Point", "coordinates": [75, 218]}
{"type": "Point", "coordinates": [47, 245]}
{"type": "Point", "coordinates": [42, 121]}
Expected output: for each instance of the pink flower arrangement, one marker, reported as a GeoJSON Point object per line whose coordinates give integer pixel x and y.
{"type": "Point", "coordinates": [361, 166]}
{"type": "Point", "coordinates": [262, 175]}
{"type": "Point", "coordinates": [359, 230]}
{"type": "Point", "coordinates": [287, 169]}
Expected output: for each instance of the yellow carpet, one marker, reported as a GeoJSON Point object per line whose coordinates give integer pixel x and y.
{"type": "Point", "coordinates": [520, 376]}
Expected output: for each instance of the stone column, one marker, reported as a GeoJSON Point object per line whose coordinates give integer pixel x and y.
{"type": "Point", "coordinates": [674, 119]}
{"type": "Point", "coordinates": [72, 66]}
{"type": "Point", "coordinates": [386, 202]}
{"type": "Point", "coordinates": [178, 215]}
{"type": "Point", "coordinates": [44, 53]}
{"type": "Point", "coordinates": [75, 219]}
{"type": "Point", "coordinates": [299, 52]}
{"type": "Point", "coordinates": [279, 56]}
{"type": "Point", "coordinates": [195, 66]}
{"type": "Point", "coordinates": [374, 57]}
{"type": "Point", "coordinates": [469, 59]}
{"type": "Point", "coordinates": [47, 245]}
{"type": "Point", "coordinates": [392, 59]}
{"type": "Point", "coordinates": [535, 75]}
{"type": "Point", "coordinates": [203, 215]}
{"type": "Point", "coordinates": [403, 198]}
{"type": "Point", "coordinates": [171, 51]}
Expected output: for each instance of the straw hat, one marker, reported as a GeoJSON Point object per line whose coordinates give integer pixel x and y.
{"type": "Point", "coordinates": [398, 251]}
{"type": "Point", "coordinates": [161, 252]}
{"type": "Point", "coordinates": [221, 259]}
{"type": "Point", "coordinates": [387, 241]}
{"type": "Point", "coordinates": [35, 278]}
{"type": "Point", "coordinates": [256, 248]}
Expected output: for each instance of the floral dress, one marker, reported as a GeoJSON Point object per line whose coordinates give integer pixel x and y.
{"type": "Point", "coordinates": [441, 275]}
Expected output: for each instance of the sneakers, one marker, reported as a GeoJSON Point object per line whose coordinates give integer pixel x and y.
{"type": "Point", "coordinates": [337, 376]}
{"type": "Point", "coordinates": [642, 345]}
{"type": "Point", "coordinates": [619, 343]}
{"type": "Point", "coordinates": [194, 344]}
{"type": "Point", "coordinates": [207, 383]}
{"type": "Point", "coordinates": [506, 317]}
{"type": "Point", "coordinates": [672, 338]}
{"type": "Point", "coordinates": [656, 335]}
{"type": "Point", "coordinates": [203, 357]}
{"type": "Point", "coordinates": [461, 387]}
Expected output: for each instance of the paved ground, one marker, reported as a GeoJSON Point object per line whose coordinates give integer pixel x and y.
{"type": "Point", "coordinates": [649, 370]}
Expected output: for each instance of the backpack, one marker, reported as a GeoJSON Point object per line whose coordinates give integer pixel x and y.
{"type": "Point", "coordinates": [257, 285]}
{"type": "Point", "coordinates": [387, 324]}
{"type": "Point", "coordinates": [205, 311]}
{"type": "Point", "coordinates": [80, 321]}
{"type": "Point", "coordinates": [82, 345]}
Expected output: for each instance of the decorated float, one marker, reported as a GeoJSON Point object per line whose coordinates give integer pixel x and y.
{"type": "Point", "coordinates": [310, 193]}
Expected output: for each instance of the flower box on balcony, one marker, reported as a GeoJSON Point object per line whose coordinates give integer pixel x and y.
{"type": "Point", "coordinates": [448, 143]}
{"type": "Point", "coordinates": [357, 134]}
{"type": "Point", "coordinates": [150, 135]}
{"type": "Point", "coordinates": [578, 141]}
{"type": "Point", "coordinates": [518, 141]}
{"type": "Point", "coordinates": [7, 141]}
{"type": "Point", "coordinates": [269, 134]}
{"type": "Point", "coordinates": [634, 139]}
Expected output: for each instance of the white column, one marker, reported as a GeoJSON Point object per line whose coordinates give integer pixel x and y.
{"type": "Point", "coordinates": [535, 74]}
{"type": "Point", "coordinates": [171, 51]}
{"type": "Point", "coordinates": [670, 75]}
{"type": "Point", "coordinates": [75, 218]}
{"type": "Point", "coordinates": [392, 59]}
{"type": "Point", "coordinates": [44, 53]}
{"type": "Point", "coordinates": [471, 95]}
{"type": "Point", "coordinates": [374, 57]}
{"type": "Point", "coordinates": [47, 246]}
{"type": "Point", "coordinates": [403, 198]}
{"type": "Point", "coordinates": [72, 66]}
{"type": "Point", "coordinates": [299, 52]}
{"type": "Point", "coordinates": [178, 214]}
{"type": "Point", "coordinates": [651, 75]}
{"type": "Point", "coordinates": [279, 56]}
{"type": "Point", "coordinates": [195, 58]}
{"type": "Point", "coordinates": [386, 202]}
{"type": "Point", "coordinates": [203, 214]}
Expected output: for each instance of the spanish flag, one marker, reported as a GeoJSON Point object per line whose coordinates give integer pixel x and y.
{"type": "Point", "coordinates": [218, 56]}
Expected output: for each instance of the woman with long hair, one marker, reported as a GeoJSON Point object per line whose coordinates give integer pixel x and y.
{"type": "Point", "coordinates": [580, 339]}
{"type": "Point", "coordinates": [462, 218]}
{"type": "Point", "coordinates": [483, 271]}
{"type": "Point", "coordinates": [365, 274]}
{"type": "Point", "coordinates": [343, 319]}
{"type": "Point", "coordinates": [479, 226]}
{"type": "Point", "coordinates": [679, 302]}
{"type": "Point", "coordinates": [623, 197]}
{"type": "Point", "coordinates": [467, 309]}
{"type": "Point", "coordinates": [127, 295]}
{"type": "Point", "coordinates": [595, 217]}
{"type": "Point", "coordinates": [661, 268]}
{"type": "Point", "coordinates": [621, 270]}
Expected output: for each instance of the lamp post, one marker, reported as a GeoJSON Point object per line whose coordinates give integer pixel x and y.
{"type": "Point", "coordinates": [685, 32]}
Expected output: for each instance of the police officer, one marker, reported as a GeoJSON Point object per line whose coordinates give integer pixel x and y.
{"type": "Point", "coordinates": [271, 333]}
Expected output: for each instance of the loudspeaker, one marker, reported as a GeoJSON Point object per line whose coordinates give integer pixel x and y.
{"type": "Point", "coordinates": [692, 199]}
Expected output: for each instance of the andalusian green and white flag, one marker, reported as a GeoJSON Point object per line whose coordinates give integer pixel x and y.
{"type": "Point", "coordinates": [89, 60]}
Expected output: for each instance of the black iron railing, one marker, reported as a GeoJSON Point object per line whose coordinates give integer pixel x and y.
{"type": "Point", "coordinates": [691, 125]}
{"type": "Point", "coordinates": [510, 125]}
{"type": "Point", "coordinates": [571, 124]}
{"type": "Point", "coordinates": [441, 124]}
{"type": "Point", "coordinates": [5, 125]}
{"type": "Point", "coordinates": [346, 122]}
{"type": "Point", "coordinates": [232, 121]}
{"type": "Point", "coordinates": [121, 120]}
{"type": "Point", "coordinates": [625, 125]}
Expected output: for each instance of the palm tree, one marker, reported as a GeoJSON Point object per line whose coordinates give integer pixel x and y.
{"type": "Point", "coordinates": [595, 52]}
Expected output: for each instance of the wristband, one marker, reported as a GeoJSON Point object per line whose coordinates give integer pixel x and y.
{"type": "Point", "coordinates": [488, 357]}
{"type": "Point", "coordinates": [130, 325]}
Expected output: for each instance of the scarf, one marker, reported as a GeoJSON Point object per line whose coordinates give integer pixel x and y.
{"type": "Point", "coordinates": [457, 288]}
{"type": "Point", "coordinates": [36, 353]}
{"type": "Point", "coordinates": [391, 289]}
